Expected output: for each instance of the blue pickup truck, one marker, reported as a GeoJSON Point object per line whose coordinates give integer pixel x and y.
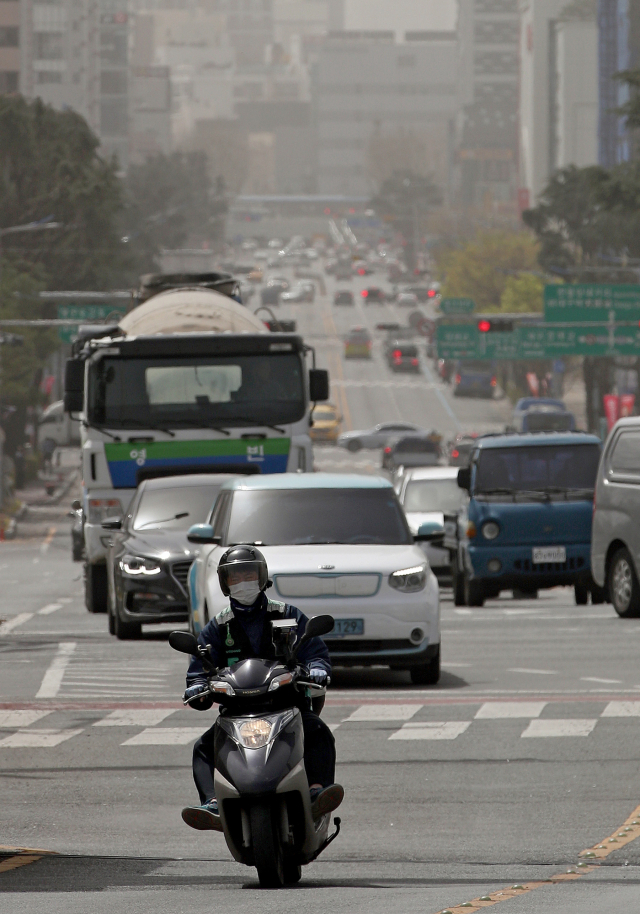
{"type": "Point", "coordinates": [527, 523]}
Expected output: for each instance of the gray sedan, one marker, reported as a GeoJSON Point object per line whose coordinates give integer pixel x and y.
{"type": "Point", "coordinates": [375, 437]}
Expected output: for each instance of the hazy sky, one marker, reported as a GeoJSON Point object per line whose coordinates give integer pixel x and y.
{"type": "Point", "coordinates": [401, 15]}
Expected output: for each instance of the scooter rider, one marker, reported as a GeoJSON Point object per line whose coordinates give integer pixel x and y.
{"type": "Point", "coordinates": [240, 632]}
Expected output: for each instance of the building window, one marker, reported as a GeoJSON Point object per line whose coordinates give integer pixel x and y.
{"type": "Point", "coordinates": [48, 77]}
{"type": "Point", "coordinates": [48, 46]}
{"type": "Point", "coordinates": [113, 82]}
{"type": "Point", "coordinates": [9, 36]}
{"type": "Point", "coordinates": [8, 81]}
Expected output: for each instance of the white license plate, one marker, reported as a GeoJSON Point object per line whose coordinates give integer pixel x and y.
{"type": "Point", "coordinates": [347, 627]}
{"type": "Point", "coordinates": [549, 554]}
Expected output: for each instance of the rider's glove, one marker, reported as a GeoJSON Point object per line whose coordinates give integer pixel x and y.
{"type": "Point", "coordinates": [319, 676]}
{"type": "Point", "coordinates": [193, 691]}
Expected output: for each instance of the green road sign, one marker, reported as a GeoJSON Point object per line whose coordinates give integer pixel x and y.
{"type": "Point", "coordinates": [541, 342]}
{"type": "Point", "coordinates": [86, 314]}
{"type": "Point", "coordinates": [591, 302]}
{"type": "Point", "coordinates": [452, 306]}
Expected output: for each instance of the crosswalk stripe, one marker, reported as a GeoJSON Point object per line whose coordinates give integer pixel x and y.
{"type": "Point", "coordinates": [165, 736]}
{"type": "Point", "coordinates": [622, 709]}
{"type": "Point", "coordinates": [383, 712]}
{"type": "Point", "coordinates": [133, 717]}
{"type": "Point", "coordinates": [500, 710]}
{"type": "Point", "coordinates": [13, 720]}
{"type": "Point", "coordinates": [544, 729]}
{"type": "Point", "coordinates": [40, 739]}
{"type": "Point", "coordinates": [433, 729]}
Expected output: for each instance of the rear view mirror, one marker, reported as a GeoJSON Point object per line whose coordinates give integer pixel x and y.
{"type": "Point", "coordinates": [318, 385]}
{"type": "Point", "coordinates": [430, 532]}
{"type": "Point", "coordinates": [464, 478]}
{"type": "Point", "coordinates": [184, 642]}
{"type": "Point", "coordinates": [319, 625]}
{"type": "Point", "coordinates": [74, 386]}
{"type": "Point", "coordinates": [202, 534]}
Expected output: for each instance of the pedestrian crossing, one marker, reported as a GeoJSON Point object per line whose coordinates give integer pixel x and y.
{"type": "Point", "coordinates": [31, 728]}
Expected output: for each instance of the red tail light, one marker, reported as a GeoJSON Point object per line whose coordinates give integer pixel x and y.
{"type": "Point", "coordinates": [397, 354]}
{"type": "Point", "coordinates": [494, 382]}
{"type": "Point", "coordinates": [361, 271]}
{"type": "Point", "coordinates": [431, 293]}
{"type": "Point", "coordinates": [455, 453]}
{"type": "Point", "coordinates": [458, 378]}
{"type": "Point", "coordinates": [364, 293]}
{"type": "Point", "coordinates": [414, 361]}
{"type": "Point", "coordinates": [387, 450]}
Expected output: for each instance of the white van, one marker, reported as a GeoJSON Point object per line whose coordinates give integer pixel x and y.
{"type": "Point", "coordinates": [615, 538]}
{"type": "Point", "coordinates": [55, 424]}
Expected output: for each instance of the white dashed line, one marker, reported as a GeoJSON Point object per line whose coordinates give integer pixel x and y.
{"type": "Point", "coordinates": [49, 608]}
{"type": "Point", "coordinates": [10, 624]}
{"type": "Point", "coordinates": [53, 677]}
{"type": "Point", "coordinates": [534, 672]}
{"type": "Point", "coordinates": [603, 681]}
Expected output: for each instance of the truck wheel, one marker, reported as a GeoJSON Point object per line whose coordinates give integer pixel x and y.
{"type": "Point", "coordinates": [457, 584]}
{"type": "Point", "coordinates": [95, 588]}
{"type": "Point", "coordinates": [267, 848]}
{"type": "Point", "coordinates": [428, 673]}
{"type": "Point", "coordinates": [474, 593]}
{"type": "Point", "coordinates": [598, 594]}
{"type": "Point", "coordinates": [354, 446]}
{"type": "Point", "coordinates": [581, 592]}
{"type": "Point", "coordinates": [623, 585]}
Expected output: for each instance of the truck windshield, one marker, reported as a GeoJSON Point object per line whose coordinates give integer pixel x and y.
{"type": "Point", "coordinates": [538, 467]}
{"type": "Point", "coordinates": [224, 390]}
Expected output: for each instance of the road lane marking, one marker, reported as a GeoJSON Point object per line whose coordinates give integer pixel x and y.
{"type": "Point", "coordinates": [533, 672]}
{"type": "Point", "coordinates": [47, 541]}
{"type": "Point", "coordinates": [501, 710]}
{"type": "Point", "coordinates": [37, 739]}
{"type": "Point", "coordinates": [628, 832]}
{"type": "Point", "coordinates": [14, 720]}
{"type": "Point", "coordinates": [622, 709]}
{"type": "Point", "coordinates": [132, 717]}
{"type": "Point", "coordinates": [165, 736]}
{"type": "Point", "coordinates": [546, 729]}
{"type": "Point", "coordinates": [10, 624]}
{"type": "Point", "coordinates": [12, 863]}
{"type": "Point", "coordinates": [52, 680]}
{"type": "Point", "coordinates": [450, 729]}
{"type": "Point", "coordinates": [603, 681]}
{"type": "Point", "coordinates": [49, 608]}
{"type": "Point", "coordinates": [383, 712]}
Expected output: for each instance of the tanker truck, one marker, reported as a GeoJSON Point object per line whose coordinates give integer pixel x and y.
{"type": "Point", "coordinates": [189, 380]}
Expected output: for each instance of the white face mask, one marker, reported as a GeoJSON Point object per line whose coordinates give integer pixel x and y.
{"type": "Point", "coordinates": [246, 592]}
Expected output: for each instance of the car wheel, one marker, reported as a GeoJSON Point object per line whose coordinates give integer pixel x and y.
{"type": "Point", "coordinates": [474, 593]}
{"type": "Point", "coordinates": [126, 631]}
{"type": "Point", "coordinates": [95, 588]}
{"type": "Point", "coordinates": [581, 593]}
{"type": "Point", "coordinates": [457, 584]}
{"type": "Point", "coordinates": [427, 673]}
{"type": "Point", "coordinates": [624, 590]}
{"type": "Point", "coordinates": [354, 446]}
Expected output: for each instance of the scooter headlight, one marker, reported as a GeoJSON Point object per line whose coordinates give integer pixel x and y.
{"type": "Point", "coordinates": [254, 734]}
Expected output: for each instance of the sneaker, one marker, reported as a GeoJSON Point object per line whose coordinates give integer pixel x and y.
{"type": "Point", "coordinates": [324, 801]}
{"type": "Point", "coordinates": [204, 818]}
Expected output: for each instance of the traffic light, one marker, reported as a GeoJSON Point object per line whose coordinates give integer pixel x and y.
{"type": "Point", "coordinates": [495, 325]}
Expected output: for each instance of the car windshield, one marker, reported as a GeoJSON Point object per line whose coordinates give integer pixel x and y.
{"type": "Point", "coordinates": [175, 508]}
{"type": "Point", "coordinates": [203, 389]}
{"type": "Point", "coordinates": [541, 467]}
{"type": "Point", "coordinates": [433, 495]}
{"type": "Point", "coordinates": [280, 517]}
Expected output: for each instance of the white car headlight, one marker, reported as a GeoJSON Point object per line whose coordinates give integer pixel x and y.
{"type": "Point", "coordinates": [490, 530]}
{"type": "Point", "coordinates": [409, 580]}
{"type": "Point", "coordinates": [135, 565]}
{"type": "Point", "coordinates": [254, 734]}
{"type": "Point", "coordinates": [102, 508]}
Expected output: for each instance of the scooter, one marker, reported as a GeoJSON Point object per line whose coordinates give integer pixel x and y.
{"type": "Point", "coordinates": [260, 779]}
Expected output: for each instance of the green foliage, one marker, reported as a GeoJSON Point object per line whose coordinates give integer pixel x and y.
{"type": "Point", "coordinates": [631, 110]}
{"type": "Point", "coordinates": [49, 167]}
{"type": "Point", "coordinates": [485, 269]}
{"type": "Point", "coordinates": [169, 199]}
{"type": "Point", "coordinates": [523, 294]}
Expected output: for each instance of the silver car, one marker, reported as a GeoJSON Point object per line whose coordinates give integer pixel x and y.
{"type": "Point", "coordinates": [377, 436]}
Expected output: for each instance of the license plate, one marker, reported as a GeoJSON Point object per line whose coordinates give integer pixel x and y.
{"type": "Point", "coordinates": [549, 554]}
{"type": "Point", "coordinates": [347, 627]}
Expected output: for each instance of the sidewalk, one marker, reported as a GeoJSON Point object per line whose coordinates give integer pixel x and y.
{"type": "Point", "coordinates": [45, 501]}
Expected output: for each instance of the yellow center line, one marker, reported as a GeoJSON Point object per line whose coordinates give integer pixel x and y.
{"type": "Point", "coordinates": [627, 832]}
{"type": "Point", "coordinates": [12, 863]}
{"type": "Point", "coordinates": [336, 365]}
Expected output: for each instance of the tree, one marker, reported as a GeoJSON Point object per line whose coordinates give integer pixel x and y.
{"type": "Point", "coordinates": [524, 293]}
{"type": "Point", "coordinates": [50, 167]}
{"type": "Point", "coordinates": [631, 109]}
{"type": "Point", "coordinates": [404, 200]}
{"type": "Point", "coordinates": [168, 200]}
{"type": "Point", "coordinates": [486, 269]}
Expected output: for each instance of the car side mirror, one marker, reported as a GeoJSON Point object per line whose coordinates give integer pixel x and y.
{"type": "Point", "coordinates": [430, 532]}
{"type": "Point", "coordinates": [464, 478]}
{"type": "Point", "coordinates": [203, 535]}
{"type": "Point", "coordinates": [318, 385]}
{"type": "Point", "coordinates": [112, 523]}
{"type": "Point", "coordinates": [184, 642]}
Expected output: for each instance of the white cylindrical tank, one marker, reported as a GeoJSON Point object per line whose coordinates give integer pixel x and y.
{"type": "Point", "coordinates": [190, 310]}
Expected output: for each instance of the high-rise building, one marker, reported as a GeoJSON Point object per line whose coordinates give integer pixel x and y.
{"type": "Point", "coordinates": [489, 73]}
{"type": "Point", "coordinates": [619, 31]}
{"type": "Point", "coordinates": [9, 46]}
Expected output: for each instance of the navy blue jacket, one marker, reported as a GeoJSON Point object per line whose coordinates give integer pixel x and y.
{"type": "Point", "coordinates": [314, 654]}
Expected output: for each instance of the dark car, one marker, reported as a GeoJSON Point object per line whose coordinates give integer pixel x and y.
{"type": "Point", "coordinates": [460, 451]}
{"type": "Point", "coordinates": [411, 451]}
{"type": "Point", "coordinates": [403, 357]}
{"type": "Point", "coordinates": [149, 557]}
{"type": "Point", "coordinates": [270, 295]}
{"type": "Point", "coordinates": [343, 297]}
{"type": "Point", "coordinates": [474, 378]}
{"type": "Point", "coordinates": [374, 296]}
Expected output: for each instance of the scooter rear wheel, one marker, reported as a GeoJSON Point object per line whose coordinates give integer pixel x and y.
{"type": "Point", "coordinates": [267, 848]}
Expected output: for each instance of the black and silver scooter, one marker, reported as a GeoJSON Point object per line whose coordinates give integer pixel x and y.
{"type": "Point", "coordinates": [260, 779]}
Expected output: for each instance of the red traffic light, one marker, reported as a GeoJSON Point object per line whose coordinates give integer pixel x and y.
{"type": "Point", "coordinates": [364, 293]}
{"type": "Point", "coordinates": [484, 326]}
{"type": "Point", "coordinates": [431, 293]}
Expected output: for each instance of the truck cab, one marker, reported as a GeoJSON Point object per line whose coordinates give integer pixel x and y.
{"type": "Point", "coordinates": [527, 524]}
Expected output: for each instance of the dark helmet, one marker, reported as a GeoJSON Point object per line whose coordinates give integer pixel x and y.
{"type": "Point", "coordinates": [245, 558]}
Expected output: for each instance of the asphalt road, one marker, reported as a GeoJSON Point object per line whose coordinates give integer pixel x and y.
{"type": "Point", "coordinates": [483, 790]}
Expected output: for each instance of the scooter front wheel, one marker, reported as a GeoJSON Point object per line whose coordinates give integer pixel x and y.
{"type": "Point", "coordinates": [267, 847]}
